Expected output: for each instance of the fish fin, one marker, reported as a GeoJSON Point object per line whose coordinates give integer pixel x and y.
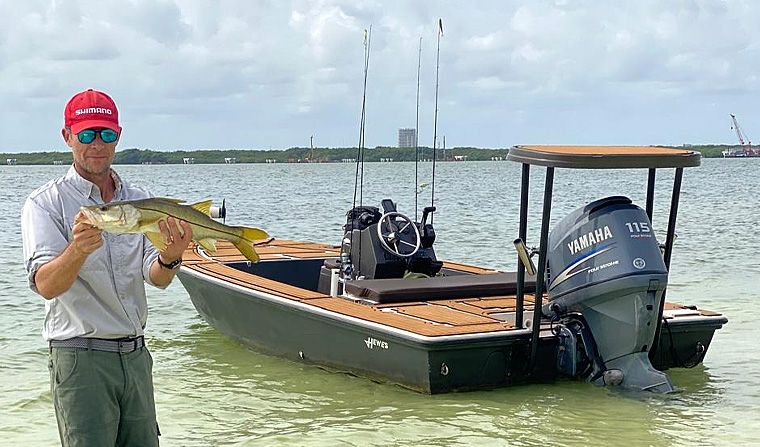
{"type": "Point", "coordinates": [208, 244]}
{"type": "Point", "coordinates": [204, 207]}
{"type": "Point", "coordinates": [245, 243]}
{"type": "Point", "coordinates": [246, 248]}
{"type": "Point", "coordinates": [156, 239]}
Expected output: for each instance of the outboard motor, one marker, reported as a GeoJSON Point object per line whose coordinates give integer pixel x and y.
{"type": "Point", "coordinates": [605, 280]}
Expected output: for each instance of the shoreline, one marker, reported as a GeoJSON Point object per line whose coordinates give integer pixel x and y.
{"type": "Point", "coordinates": [134, 156]}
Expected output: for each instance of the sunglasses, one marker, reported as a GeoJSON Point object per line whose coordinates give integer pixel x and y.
{"type": "Point", "coordinates": [88, 136]}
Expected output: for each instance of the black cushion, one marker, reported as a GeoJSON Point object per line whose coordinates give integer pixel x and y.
{"type": "Point", "coordinates": [437, 288]}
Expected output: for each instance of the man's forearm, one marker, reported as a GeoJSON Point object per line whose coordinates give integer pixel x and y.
{"type": "Point", "coordinates": [161, 276]}
{"type": "Point", "coordinates": [177, 243]}
{"type": "Point", "coordinates": [57, 276]}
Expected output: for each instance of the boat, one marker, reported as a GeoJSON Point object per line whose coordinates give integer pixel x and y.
{"type": "Point", "coordinates": [380, 304]}
{"type": "Point", "coordinates": [740, 152]}
{"type": "Point", "coordinates": [745, 148]}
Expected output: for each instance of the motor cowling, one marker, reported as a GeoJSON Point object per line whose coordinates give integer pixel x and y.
{"type": "Point", "coordinates": [604, 263]}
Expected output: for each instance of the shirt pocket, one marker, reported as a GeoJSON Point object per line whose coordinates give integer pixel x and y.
{"type": "Point", "coordinates": [96, 261]}
{"type": "Point", "coordinates": [96, 272]}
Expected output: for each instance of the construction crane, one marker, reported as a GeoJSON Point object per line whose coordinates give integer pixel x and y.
{"type": "Point", "coordinates": [744, 141]}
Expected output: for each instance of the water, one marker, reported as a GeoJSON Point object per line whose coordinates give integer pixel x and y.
{"type": "Point", "coordinates": [213, 392]}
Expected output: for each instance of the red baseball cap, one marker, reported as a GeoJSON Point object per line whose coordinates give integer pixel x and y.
{"type": "Point", "coordinates": [89, 109]}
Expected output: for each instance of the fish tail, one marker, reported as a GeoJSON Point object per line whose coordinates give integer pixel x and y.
{"type": "Point", "coordinates": [253, 234]}
{"type": "Point", "coordinates": [245, 243]}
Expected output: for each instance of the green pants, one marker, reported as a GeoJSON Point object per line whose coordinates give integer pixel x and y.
{"type": "Point", "coordinates": [103, 399]}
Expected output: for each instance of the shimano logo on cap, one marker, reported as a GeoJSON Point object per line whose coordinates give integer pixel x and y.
{"type": "Point", "coordinates": [93, 110]}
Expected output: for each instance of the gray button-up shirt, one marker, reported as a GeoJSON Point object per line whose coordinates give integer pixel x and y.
{"type": "Point", "coordinates": [107, 299]}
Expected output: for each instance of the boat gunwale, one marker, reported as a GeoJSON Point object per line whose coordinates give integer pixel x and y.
{"type": "Point", "coordinates": [384, 328]}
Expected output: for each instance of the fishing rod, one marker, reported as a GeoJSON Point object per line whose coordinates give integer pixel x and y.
{"type": "Point", "coordinates": [435, 121]}
{"type": "Point", "coordinates": [417, 131]}
{"type": "Point", "coordinates": [359, 175]}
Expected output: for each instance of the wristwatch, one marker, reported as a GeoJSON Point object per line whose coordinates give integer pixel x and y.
{"type": "Point", "coordinates": [171, 266]}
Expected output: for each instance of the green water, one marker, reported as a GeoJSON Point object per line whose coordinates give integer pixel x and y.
{"type": "Point", "coordinates": [211, 391]}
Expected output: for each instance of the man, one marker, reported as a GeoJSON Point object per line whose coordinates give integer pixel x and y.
{"type": "Point", "coordinates": [93, 285]}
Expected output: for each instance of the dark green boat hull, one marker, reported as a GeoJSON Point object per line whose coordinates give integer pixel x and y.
{"type": "Point", "coordinates": [308, 334]}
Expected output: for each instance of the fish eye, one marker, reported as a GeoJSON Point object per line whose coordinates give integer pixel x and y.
{"type": "Point", "coordinates": [104, 208]}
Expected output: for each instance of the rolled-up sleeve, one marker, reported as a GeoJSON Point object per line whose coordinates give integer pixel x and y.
{"type": "Point", "coordinates": [44, 237]}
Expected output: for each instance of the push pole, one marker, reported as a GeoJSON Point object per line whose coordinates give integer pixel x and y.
{"type": "Point", "coordinates": [668, 252]}
{"type": "Point", "coordinates": [548, 187]}
{"type": "Point", "coordinates": [522, 234]}
{"type": "Point", "coordinates": [650, 193]}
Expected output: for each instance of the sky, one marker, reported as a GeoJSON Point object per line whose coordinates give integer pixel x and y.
{"type": "Point", "coordinates": [237, 74]}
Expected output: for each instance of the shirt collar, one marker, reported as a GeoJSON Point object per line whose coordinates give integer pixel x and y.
{"type": "Point", "coordinates": [89, 189]}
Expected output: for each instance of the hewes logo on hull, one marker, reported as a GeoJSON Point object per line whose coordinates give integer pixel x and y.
{"type": "Point", "coordinates": [587, 240]}
{"type": "Point", "coordinates": [372, 342]}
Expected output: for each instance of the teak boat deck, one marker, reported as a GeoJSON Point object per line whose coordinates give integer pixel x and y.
{"type": "Point", "coordinates": [425, 318]}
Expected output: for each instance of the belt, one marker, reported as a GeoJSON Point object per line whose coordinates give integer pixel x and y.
{"type": "Point", "coordinates": [120, 345]}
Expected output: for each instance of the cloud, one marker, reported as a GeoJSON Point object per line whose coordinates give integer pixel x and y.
{"type": "Point", "coordinates": [270, 73]}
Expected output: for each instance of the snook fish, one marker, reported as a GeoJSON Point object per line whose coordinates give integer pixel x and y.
{"type": "Point", "coordinates": [142, 216]}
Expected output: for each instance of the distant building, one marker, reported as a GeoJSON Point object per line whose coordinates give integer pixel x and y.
{"type": "Point", "coordinates": [11, 161]}
{"type": "Point", "coordinates": [188, 160]}
{"type": "Point", "coordinates": [230, 160]}
{"type": "Point", "coordinates": [407, 137]}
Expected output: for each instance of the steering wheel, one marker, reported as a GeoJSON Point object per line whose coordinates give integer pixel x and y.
{"type": "Point", "coordinates": [390, 233]}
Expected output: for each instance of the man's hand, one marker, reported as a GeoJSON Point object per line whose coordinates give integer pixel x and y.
{"type": "Point", "coordinates": [86, 238]}
{"type": "Point", "coordinates": [177, 239]}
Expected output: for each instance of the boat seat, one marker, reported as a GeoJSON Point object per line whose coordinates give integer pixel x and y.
{"type": "Point", "coordinates": [437, 288]}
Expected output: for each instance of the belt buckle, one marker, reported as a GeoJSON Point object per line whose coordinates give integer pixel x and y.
{"type": "Point", "coordinates": [122, 343]}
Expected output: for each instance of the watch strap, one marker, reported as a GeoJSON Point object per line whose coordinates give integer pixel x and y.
{"type": "Point", "coordinates": [170, 266]}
